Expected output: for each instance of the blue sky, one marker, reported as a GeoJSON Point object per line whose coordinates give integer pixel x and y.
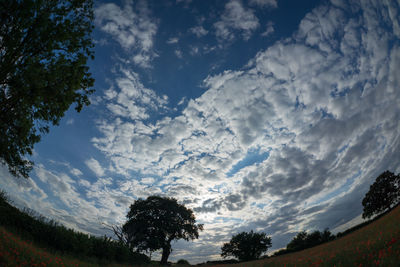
{"type": "Point", "coordinates": [265, 115]}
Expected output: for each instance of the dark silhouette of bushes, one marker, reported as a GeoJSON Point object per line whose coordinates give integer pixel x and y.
{"type": "Point", "coordinates": [56, 237]}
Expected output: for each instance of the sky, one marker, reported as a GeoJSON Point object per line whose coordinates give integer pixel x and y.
{"type": "Point", "coordinates": [267, 115]}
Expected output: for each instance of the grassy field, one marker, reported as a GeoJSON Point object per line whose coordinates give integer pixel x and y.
{"type": "Point", "coordinates": [15, 251]}
{"type": "Point", "coordinates": [377, 244]}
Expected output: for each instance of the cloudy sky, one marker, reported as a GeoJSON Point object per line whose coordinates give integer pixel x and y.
{"type": "Point", "coordinates": [271, 115]}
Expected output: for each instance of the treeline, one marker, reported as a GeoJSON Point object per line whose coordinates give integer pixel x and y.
{"type": "Point", "coordinates": [304, 240]}
{"type": "Point", "coordinates": [56, 237]}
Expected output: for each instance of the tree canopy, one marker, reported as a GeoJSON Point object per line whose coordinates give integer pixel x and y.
{"type": "Point", "coordinates": [383, 194]}
{"type": "Point", "coordinates": [305, 240]}
{"type": "Point", "coordinates": [44, 49]}
{"type": "Point", "coordinates": [247, 246]}
{"type": "Point", "coordinates": [153, 223]}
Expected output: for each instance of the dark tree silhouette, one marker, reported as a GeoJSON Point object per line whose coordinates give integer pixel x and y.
{"type": "Point", "coordinates": [304, 240]}
{"type": "Point", "coordinates": [44, 48]}
{"type": "Point", "coordinates": [383, 194]}
{"type": "Point", "coordinates": [153, 223]}
{"type": "Point", "coordinates": [247, 246]}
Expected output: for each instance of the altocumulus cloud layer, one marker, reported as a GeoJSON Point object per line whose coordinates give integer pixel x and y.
{"type": "Point", "coordinates": [289, 142]}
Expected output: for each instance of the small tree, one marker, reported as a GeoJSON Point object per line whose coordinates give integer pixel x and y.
{"type": "Point", "coordinates": [44, 48]}
{"type": "Point", "coordinates": [247, 246]}
{"type": "Point", "coordinates": [383, 194]}
{"type": "Point", "coordinates": [153, 223]}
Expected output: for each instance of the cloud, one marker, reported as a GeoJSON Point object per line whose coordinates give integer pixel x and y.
{"type": "Point", "coordinates": [132, 27]}
{"type": "Point", "coordinates": [270, 29]}
{"type": "Point", "coordinates": [264, 3]}
{"type": "Point", "coordinates": [172, 40]}
{"type": "Point", "coordinates": [128, 98]}
{"type": "Point", "coordinates": [76, 172]}
{"type": "Point", "coordinates": [95, 166]}
{"type": "Point", "coordinates": [178, 53]}
{"type": "Point", "coordinates": [236, 18]}
{"type": "Point", "coordinates": [199, 31]}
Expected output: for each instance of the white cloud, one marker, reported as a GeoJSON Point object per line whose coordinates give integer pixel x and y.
{"type": "Point", "coordinates": [95, 166]}
{"type": "Point", "coordinates": [173, 40]}
{"type": "Point", "coordinates": [178, 53]}
{"type": "Point", "coordinates": [128, 98]}
{"type": "Point", "coordinates": [236, 18]}
{"type": "Point", "coordinates": [264, 3]}
{"type": "Point", "coordinates": [75, 172]}
{"type": "Point", "coordinates": [70, 121]}
{"type": "Point", "coordinates": [199, 31]}
{"type": "Point", "coordinates": [270, 29]}
{"type": "Point", "coordinates": [132, 28]}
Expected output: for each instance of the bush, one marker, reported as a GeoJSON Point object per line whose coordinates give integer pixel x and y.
{"type": "Point", "coordinates": [182, 261]}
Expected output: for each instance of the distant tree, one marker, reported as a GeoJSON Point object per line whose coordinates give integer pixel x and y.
{"type": "Point", "coordinates": [183, 262]}
{"type": "Point", "coordinates": [304, 240]}
{"type": "Point", "coordinates": [298, 242]}
{"type": "Point", "coordinates": [44, 48]}
{"type": "Point", "coordinates": [383, 194]}
{"type": "Point", "coordinates": [247, 246]}
{"type": "Point", "coordinates": [153, 223]}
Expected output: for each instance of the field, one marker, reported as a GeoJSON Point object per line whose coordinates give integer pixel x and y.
{"type": "Point", "coordinates": [377, 244]}
{"type": "Point", "coordinates": [16, 252]}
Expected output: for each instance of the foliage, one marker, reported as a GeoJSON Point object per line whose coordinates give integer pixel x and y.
{"type": "Point", "coordinates": [183, 262]}
{"type": "Point", "coordinates": [383, 194]}
{"type": "Point", "coordinates": [58, 238]}
{"type": "Point", "coordinates": [247, 246]}
{"type": "Point", "coordinates": [153, 223]}
{"type": "Point", "coordinates": [304, 240]}
{"type": "Point", "coordinates": [44, 48]}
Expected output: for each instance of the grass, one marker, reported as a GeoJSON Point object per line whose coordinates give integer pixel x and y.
{"type": "Point", "coordinates": [377, 244]}
{"type": "Point", "coordinates": [14, 251]}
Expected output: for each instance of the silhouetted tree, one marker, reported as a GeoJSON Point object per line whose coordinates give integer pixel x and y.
{"type": "Point", "coordinates": [304, 240]}
{"type": "Point", "coordinates": [153, 223]}
{"type": "Point", "coordinates": [383, 194]}
{"type": "Point", "coordinates": [298, 242]}
{"type": "Point", "coordinates": [247, 246]}
{"type": "Point", "coordinates": [44, 48]}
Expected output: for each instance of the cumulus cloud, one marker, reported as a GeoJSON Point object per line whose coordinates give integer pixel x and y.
{"type": "Point", "coordinates": [199, 31]}
{"type": "Point", "coordinates": [95, 166]}
{"type": "Point", "coordinates": [131, 26]}
{"type": "Point", "coordinates": [236, 18]}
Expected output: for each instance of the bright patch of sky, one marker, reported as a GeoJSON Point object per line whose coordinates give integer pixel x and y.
{"type": "Point", "coordinates": [271, 115]}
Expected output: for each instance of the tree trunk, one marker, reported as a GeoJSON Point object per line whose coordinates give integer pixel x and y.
{"type": "Point", "coordinates": [165, 254]}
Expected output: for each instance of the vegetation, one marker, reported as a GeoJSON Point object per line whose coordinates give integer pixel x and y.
{"type": "Point", "coordinates": [383, 194]}
{"type": "Point", "coordinates": [182, 262]}
{"type": "Point", "coordinates": [247, 246]}
{"type": "Point", "coordinates": [153, 223]}
{"type": "Point", "coordinates": [57, 238]}
{"type": "Point", "coordinates": [376, 244]}
{"type": "Point", "coordinates": [305, 240]}
{"type": "Point", "coordinates": [44, 48]}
